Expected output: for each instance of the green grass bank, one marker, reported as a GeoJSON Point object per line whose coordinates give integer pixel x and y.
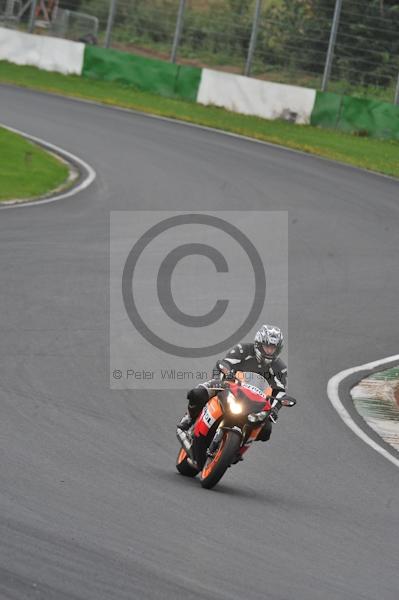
{"type": "Point", "coordinates": [376, 155]}
{"type": "Point", "coordinates": [26, 170]}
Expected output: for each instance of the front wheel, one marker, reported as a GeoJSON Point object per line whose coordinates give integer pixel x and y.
{"type": "Point", "coordinates": [216, 465]}
{"type": "Point", "coordinates": [183, 466]}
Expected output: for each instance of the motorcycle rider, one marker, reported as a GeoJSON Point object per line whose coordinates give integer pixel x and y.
{"type": "Point", "coordinates": [260, 357]}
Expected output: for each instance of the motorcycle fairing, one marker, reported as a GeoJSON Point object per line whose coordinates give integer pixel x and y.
{"type": "Point", "coordinates": [210, 414]}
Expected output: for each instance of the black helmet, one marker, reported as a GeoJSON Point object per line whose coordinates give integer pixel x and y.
{"type": "Point", "coordinates": [268, 343]}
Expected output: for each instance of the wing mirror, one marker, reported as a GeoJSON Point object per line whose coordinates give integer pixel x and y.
{"type": "Point", "coordinates": [288, 401]}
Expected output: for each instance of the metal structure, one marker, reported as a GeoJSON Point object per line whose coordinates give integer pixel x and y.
{"type": "Point", "coordinates": [178, 30]}
{"type": "Point", "coordinates": [265, 40]}
{"type": "Point", "coordinates": [331, 45]}
{"type": "Point", "coordinates": [110, 23]}
{"type": "Point", "coordinates": [48, 14]}
{"type": "Point", "coordinates": [12, 10]}
{"type": "Point", "coordinates": [32, 14]}
{"type": "Point", "coordinates": [45, 9]}
{"type": "Point", "coordinates": [252, 43]}
{"type": "Point", "coordinates": [38, 10]}
{"type": "Point", "coordinates": [75, 25]}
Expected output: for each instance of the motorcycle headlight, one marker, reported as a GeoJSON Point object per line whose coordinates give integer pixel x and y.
{"type": "Point", "coordinates": [234, 406]}
{"type": "Point", "coordinates": [257, 417]}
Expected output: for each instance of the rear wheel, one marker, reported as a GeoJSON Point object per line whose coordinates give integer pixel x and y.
{"type": "Point", "coordinates": [216, 465]}
{"type": "Point", "coordinates": [183, 466]}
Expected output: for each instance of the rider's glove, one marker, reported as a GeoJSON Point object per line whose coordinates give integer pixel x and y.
{"type": "Point", "coordinates": [230, 376]}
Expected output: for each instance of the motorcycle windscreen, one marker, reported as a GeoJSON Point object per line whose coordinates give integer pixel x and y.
{"type": "Point", "coordinates": [254, 382]}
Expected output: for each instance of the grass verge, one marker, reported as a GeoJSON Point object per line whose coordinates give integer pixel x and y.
{"type": "Point", "coordinates": [376, 155]}
{"type": "Point", "coordinates": [27, 171]}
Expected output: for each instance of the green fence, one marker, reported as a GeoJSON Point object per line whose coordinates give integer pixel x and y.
{"type": "Point", "coordinates": [334, 111]}
{"type": "Point", "coordinates": [356, 115]}
{"type": "Point", "coordinates": [159, 77]}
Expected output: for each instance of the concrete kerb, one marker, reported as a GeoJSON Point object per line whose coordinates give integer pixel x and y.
{"type": "Point", "coordinates": [338, 392]}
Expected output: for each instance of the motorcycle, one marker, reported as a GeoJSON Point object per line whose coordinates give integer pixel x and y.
{"type": "Point", "coordinates": [227, 426]}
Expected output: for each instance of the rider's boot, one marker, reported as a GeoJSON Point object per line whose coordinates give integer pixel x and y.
{"type": "Point", "coordinates": [188, 420]}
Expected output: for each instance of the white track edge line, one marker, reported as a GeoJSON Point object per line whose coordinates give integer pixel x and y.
{"type": "Point", "coordinates": [333, 395]}
{"type": "Point", "coordinates": [91, 174]}
{"type": "Point", "coordinates": [240, 136]}
{"type": "Point", "coordinates": [223, 132]}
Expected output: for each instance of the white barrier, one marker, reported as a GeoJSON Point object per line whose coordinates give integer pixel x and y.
{"type": "Point", "coordinates": [50, 54]}
{"type": "Point", "coordinates": [255, 97]}
{"type": "Point", "coordinates": [236, 93]}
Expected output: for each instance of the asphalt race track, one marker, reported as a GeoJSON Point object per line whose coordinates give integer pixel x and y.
{"type": "Point", "coordinates": [91, 504]}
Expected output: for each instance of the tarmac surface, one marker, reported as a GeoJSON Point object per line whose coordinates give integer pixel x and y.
{"type": "Point", "coordinates": [91, 504]}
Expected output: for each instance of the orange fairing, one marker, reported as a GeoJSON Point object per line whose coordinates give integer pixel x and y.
{"type": "Point", "coordinates": [214, 408]}
{"type": "Point", "coordinates": [210, 413]}
{"type": "Point", "coordinates": [182, 455]}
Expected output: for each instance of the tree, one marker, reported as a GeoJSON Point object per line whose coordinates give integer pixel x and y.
{"type": "Point", "coordinates": [367, 48]}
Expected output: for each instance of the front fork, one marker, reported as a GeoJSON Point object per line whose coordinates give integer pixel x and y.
{"type": "Point", "coordinates": [214, 445]}
{"type": "Point", "coordinates": [217, 438]}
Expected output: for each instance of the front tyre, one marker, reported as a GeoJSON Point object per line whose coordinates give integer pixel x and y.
{"type": "Point", "coordinates": [216, 465]}
{"type": "Point", "coordinates": [183, 466]}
